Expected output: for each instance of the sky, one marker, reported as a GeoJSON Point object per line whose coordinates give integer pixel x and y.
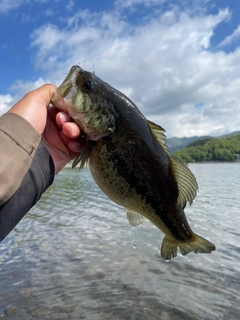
{"type": "Point", "coordinates": [177, 60]}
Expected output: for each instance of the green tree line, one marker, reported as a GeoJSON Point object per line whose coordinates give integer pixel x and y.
{"type": "Point", "coordinates": [211, 149]}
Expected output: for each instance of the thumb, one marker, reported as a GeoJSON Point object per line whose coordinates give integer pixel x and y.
{"type": "Point", "coordinates": [33, 106]}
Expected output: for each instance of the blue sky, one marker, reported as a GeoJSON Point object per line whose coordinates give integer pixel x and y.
{"type": "Point", "coordinates": [178, 60]}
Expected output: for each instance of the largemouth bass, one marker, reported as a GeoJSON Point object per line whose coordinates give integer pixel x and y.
{"type": "Point", "coordinates": [129, 160]}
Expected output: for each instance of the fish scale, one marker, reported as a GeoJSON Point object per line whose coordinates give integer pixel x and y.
{"type": "Point", "coordinates": [129, 160]}
{"type": "Point", "coordinates": [152, 199]}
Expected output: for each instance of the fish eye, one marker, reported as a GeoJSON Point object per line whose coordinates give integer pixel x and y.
{"type": "Point", "coordinates": [87, 85]}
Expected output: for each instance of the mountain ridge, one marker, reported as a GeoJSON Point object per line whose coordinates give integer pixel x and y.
{"type": "Point", "coordinates": [176, 144]}
{"type": "Point", "coordinates": [211, 149]}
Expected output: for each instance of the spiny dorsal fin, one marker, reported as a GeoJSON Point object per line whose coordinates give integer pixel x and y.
{"type": "Point", "coordinates": [158, 134]}
{"type": "Point", "coordinates": [187, 184]}
{"type": "Point", "coordinates": [135, 218]}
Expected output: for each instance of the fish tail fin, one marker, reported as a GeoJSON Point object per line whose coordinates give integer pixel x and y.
{"type": "Point", "coordinates": [197, 244]}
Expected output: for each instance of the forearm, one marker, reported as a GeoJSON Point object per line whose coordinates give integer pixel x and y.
{"type": "Point", "coordinates": [26, 170]}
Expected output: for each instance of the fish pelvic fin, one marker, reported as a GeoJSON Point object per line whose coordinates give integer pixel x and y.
{"type": "Point", "coordinates": [196, 244]}
{"type": "Point", "coordinates": [135, 218]}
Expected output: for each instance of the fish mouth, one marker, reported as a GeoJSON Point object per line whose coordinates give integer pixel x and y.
{"type": "Point", "coordinates": [94, 122]}
{"type": "Point", "coordinates": [66, 90]}
{"type": "Point", "coordinates": [69, 84]}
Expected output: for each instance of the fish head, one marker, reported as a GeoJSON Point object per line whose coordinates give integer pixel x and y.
{"type": "Point", "coordinates": [83, 96]}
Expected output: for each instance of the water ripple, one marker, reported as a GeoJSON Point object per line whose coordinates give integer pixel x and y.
{"type": "Point", "coordinates": [73, 257]}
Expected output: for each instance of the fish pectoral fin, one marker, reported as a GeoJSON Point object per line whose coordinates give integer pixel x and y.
{"type": "Point", "coordinates": [158, 134]}
{"type": "Point", "coordinates": [196, 244]}
{"type": "Point", "coordinates": [187, 183]}
{"type": "Point", "coordinates": [83, 155]}
{"type": "Point", "coordinates": [135, 218]}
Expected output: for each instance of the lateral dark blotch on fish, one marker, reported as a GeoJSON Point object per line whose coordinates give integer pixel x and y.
{"type": "Point", "coordinates": [129, 160]}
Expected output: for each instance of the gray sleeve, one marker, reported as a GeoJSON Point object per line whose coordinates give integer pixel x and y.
{"type": "Point", "coordinates": [27, 171]}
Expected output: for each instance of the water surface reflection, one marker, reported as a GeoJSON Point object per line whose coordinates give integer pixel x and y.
{"type": "Point", "coordinates": [73, 257]}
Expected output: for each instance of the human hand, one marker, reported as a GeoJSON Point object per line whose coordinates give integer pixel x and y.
{"type": "Point", "coordinates": [59, 133]}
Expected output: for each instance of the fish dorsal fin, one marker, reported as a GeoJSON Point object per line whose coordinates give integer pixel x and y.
{"type": "Point", "coordinates": [135, 218]}
{"type": "Point", "coordinates": [158, 134]}
{"type": "Point", "coordinates": [187, 183]}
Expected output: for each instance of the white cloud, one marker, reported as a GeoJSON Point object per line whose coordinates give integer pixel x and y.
{"type": "Point", "coordinates": [49, 12]}
{"type": "Point", "coordinates": [5, 103]}
{"type": "Point", "coordinates": [7, 5]}
{"type": "Point", "coordinates": [166, 66]}
{"type": "Point", "coordinates": [47, 37]}
{"type": "Point", "coordinates": [18, 89]}
{"type": "Point", "coordinates": [123, 4]}
{"type": "Point", "coordinates": [231, 38]}
{"type": "Point", "coordinates": [70, 5]}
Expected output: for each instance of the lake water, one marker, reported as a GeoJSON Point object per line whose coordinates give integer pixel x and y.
{"type": "Point", "coordinates": [74, 256]}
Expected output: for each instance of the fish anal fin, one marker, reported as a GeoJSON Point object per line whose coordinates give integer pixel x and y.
{"type": "Point", "coordinates": [135, 218]}
{"type": "Point", "coordinates": [196, 244]}
{"type": "Point", "coordinates": [168, 249]}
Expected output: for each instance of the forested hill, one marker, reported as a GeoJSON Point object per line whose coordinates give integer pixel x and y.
{"type": "Point", "coordinates": [175, 144]}
{"type": "Point", "coordinates": [210, 149]}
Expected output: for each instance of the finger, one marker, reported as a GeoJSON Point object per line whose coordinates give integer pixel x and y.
{"type": "Point", "coordinates": [63, 117]}
{"type": "Point", "coordinates": [32, 107]}
{"type": "Point", "coordinates": [71, 130]}
{"type": "Point", "coordinates": [64, 138]}
{"type": "Point", "coordinates": [52, 112]}
{"type": "Point", "coordinates": [75, 146]}
{"type": "Point", "coordinates": [39, 97]}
